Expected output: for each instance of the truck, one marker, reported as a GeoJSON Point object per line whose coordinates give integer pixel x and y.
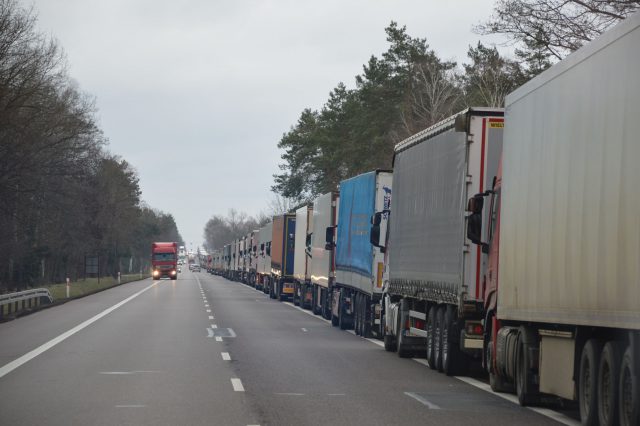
{"type": "Point", "coordinates": [164, 260]}
{"type": "Point", "coordinates": [226, 260]}
{"type": "Point", "coordinates": [301, 265]}
{"type": "Point", "coordinates": [253, 257]}
{"type": "Point", "coordinates": [357, 290]}
{"type": "Point", "coordinates": [322, 245]}
{"type": "Point", "coordinates": [560, 226]}
{"type": "Point", "coordinates": [282, 256]}
{"type": "Point", "coordinates": [433, 300]}
{"type": "Point", "coordinates": [263, 270]}
{"type": "Point", "coordinates": [233, 261]}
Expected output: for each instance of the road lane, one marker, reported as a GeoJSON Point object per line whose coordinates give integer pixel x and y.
{"type": "Point", "coordinates": [148, 362]}
{"type": "Point", "coordinates": [323, 375]}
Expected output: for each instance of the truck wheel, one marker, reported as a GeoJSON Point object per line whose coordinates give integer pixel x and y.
{"type": "Point", "coordinates": [437, 338]}
{"type": "Point", "coordinates": [608, 376]}
{"type": "Point", "coordinates": [628, 392]}
{"type": "Point", "coordinates": [401, 346]}
{"type": "Point", "coordinates": [366, 317]}
{"type": "Point", "coordinates": [525, 389]}
{"type": "Point", "coordinates": [356, 314]}
{"type": "Point", "coordinates": [295, 296]}
{"type": "Point", "coordinates": [390, 343]}
{"type": "Point", "coordinates": [431, 319]}
{"type": "Point", "coordinates": [588, 382]}
{"type": "Point", "coordinates": [450, 352]}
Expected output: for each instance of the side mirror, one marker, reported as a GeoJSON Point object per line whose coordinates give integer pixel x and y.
{"type": "Point", "coordinates": [474, 220]}
{"type": "Point", "coordinates": [475, 204]}
{"type": "Point", "coordinates": [376, 219]}
{"type": "Point", "coordinates": [474, 228]}
{"type": "Point", "coordinates": [329, 234]}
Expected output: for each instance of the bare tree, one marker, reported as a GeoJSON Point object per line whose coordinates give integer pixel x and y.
{"type": "Point", "coordinates": [558, 26]}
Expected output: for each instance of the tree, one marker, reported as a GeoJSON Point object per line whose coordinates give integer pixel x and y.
{"type": "Point", "coordinates": [557, 27]}
{"type": "Point", "coordinates": [220, 230]}
{"type": "Point", "coordinates": [490, 77]}
{"type": "Point", "coordinates": [61, 194]}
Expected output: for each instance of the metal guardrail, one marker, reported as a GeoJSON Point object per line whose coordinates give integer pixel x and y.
{"type": "Point", "coordinates": [35, 297]}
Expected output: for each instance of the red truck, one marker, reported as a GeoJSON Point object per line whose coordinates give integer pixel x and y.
{"type": "Point", "coordinates": [164, 260]}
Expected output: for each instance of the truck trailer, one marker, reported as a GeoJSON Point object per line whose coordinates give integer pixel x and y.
{"type": "Point", "coordinates": [322, 265]}
{"type": "Point", "coordinates": [562, 290]}
{"type": "Point", "coordinates": [357, 291]}
{"type": "Point", "coordinates": [282, 256]}
{"type": "Point", "coordinates": [263, 273]}
{"type": "Point", "coordinates": [433, 303]}
{"type": "Point", "coordinates": [302, 265]}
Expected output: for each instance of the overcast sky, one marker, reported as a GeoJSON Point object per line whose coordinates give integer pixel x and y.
{"type": "Point", "coordinates": [197, 93]}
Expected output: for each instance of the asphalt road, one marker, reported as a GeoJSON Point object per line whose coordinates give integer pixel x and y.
{"type": "Point", "coordinates": [204, 350]}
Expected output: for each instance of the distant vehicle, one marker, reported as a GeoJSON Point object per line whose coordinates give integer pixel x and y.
{"type": "Point", "coordinates": [179, 269]}
{"type": "Point", "coordinates": [164, 257]}
{"type": "Point", "coordinates": [196, 268]}
{"type": "Point", "coordinates": [282, 256]}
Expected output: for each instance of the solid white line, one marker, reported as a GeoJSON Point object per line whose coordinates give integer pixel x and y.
{"type": "Point", "coordinates": [225, 356]}
{"type": "Point", "coordinates": [560, 418]}
{"type": "Point", "coordinates": [237, 385]}
{"type": "Point", "coordinates": [422, 400]}
{"type": "Point", "coordinates": [306, 312]}
{"type": "Point", "coordinates": [289, 394]}
{"type": "Point", "coordinates": [419, 360]}
{"type": "Point", "coordinates": [218, 339]}
{"type": "Point", "coordinates": [210, 316]}
{"type": "Point", "coordinates": [6, 369]}
{"type": "Point", "coordinates": [377, 342]}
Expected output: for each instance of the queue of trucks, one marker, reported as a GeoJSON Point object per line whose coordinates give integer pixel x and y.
{"type": "Point", "coordinates": [506, 238]}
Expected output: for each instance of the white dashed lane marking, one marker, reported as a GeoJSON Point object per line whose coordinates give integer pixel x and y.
{"type": "Point", "coordinates": [226, 356]}
{"type": "Point", "coordinates": [237, 385]}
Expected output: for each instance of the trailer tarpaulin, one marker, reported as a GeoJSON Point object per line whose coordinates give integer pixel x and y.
{"type": "Point", "coordinates": [427, 219]}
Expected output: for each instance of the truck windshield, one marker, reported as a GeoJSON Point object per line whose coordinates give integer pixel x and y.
{"type": "Point", "coordinates": [164, 256]}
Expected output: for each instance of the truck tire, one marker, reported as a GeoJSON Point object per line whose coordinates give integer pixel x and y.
{"type": "Point", "coordinates": [450, 350]}
{"type": "Point", "coordinates": [608, 378]}
{"type": "Point", "coordinates": [431, 319]}
{"type": "Point", "coordinates": [588, 382]}
{"type": "Point", "coordinates": [366, 317]}
{"type": "Point", "coordinates": [437, 338]}
{"type": "Point", "coordinates": [401, 347]}
{"type": "Point", "coordinates": [334, 320]}
{"type": "Point", "coordinates": [390, 343]}
{"type": "Point", "coordinates": [272, 289]}
{"type": "Point", "coordinates": [525, 387]}
{"type": "Point", "coordinates": [356, 314]}
{"type": "Point", "coordinates": [628, 392]}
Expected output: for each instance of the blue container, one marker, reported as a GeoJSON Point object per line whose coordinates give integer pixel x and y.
{"type": "Point", "coordinates": [354, 251]}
